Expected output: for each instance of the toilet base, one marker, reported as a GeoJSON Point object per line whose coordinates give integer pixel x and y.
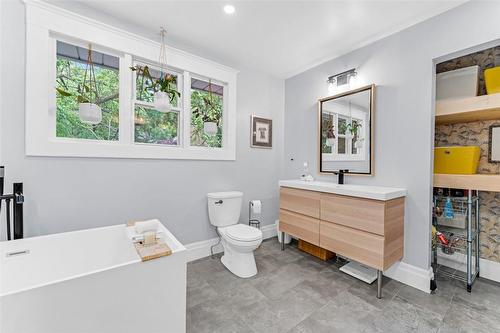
{"type": "Point", "coordinates": [243, 268]}
{"type": "Point", "coordinates": [241, 264]}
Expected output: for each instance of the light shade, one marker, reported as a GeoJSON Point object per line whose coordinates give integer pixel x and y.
{"type": "Point", "coordinates": [229, 9]}
{"type": "Point", "coordinates": [342, 79]}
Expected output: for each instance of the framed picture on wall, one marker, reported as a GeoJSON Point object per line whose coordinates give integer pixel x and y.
{"type": "Point", "coordinates": [262, 132]}
{"type": "Point", "coordinates": [494, 144]}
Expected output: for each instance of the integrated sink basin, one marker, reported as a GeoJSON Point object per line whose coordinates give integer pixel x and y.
{"type": "Point", "coordinates": [360, 191]}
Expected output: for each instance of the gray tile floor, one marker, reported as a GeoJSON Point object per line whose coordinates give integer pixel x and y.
{"type": "Point", "coordinates": [294, 292]}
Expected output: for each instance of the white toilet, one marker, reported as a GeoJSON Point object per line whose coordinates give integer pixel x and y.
{"type": "Point", "coordinates": [239, 240]}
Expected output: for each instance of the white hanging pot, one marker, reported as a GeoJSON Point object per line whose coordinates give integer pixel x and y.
{"type": "Point", "coordinates": [358, 144]}
{"type": "Point", "coordinates": [90, 113]}
{"type": "Point", "coordinates": [330, 142]}
{"type": "Point", "coordinates": [162, 102]}
{"type": "Point", "coordinates": [210, 127]}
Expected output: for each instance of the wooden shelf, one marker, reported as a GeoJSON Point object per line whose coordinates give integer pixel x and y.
{"type": "Point", "coordinates": [480, 182]}
{"type": "Point", "coordinates": [463, 110]}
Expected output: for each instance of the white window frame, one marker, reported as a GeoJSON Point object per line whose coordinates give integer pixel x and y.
{"type": "Point", "coordinates": [44, 22]}
{"type": "Point", "coordinates": [224, 110]}
{"type": "Point", "coordinates": [348, 156]}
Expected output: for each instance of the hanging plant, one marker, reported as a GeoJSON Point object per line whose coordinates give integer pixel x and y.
{"type": "Point", "coordinates": [343, 127]}
{"type": "Point", "coordinates": [163, 87]}
{"type": "Point", "coordinates": [166, 83]}
{"type": "Point", "coordinates": [358, 143]}
{"type": "Point", "coordinates": [209, 113]}
{"type": "Point", "coordinates": [87, 94]}
{"type": "Point", "coordinates": [354, 127]}
{"type": "Point", "coordinates": [330, 133]}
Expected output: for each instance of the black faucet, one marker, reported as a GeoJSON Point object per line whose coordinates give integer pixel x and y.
{"type": "Point", "coordinates": [17, 199]}
{"type": "Point", "coordinates": [340, 174]}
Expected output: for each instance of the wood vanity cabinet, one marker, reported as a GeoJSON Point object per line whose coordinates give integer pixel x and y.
{"type": "Point", "coordinates": [365, 230]}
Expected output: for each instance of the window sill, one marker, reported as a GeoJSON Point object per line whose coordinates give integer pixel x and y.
{"type": "Point", "coordinates": [107, 149]}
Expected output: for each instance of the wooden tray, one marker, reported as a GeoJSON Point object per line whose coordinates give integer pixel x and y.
{"type": "Point", "coordinates": [152, 251]}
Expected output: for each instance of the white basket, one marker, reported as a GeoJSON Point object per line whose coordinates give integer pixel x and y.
{"type": "Point", "coordinates": [90, 113]}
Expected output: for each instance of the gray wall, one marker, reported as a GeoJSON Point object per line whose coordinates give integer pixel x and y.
{"type": "Point", "coordinates": [65, 194]}
{"type": "Point", "coordinates": [402, 68]}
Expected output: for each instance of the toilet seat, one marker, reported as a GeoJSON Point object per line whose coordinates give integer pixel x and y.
{"type": "Point", "coordinates": [242, 233]}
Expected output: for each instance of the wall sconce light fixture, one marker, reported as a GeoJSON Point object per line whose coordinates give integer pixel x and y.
{"type": "Point", "coordinates": [345, 78]}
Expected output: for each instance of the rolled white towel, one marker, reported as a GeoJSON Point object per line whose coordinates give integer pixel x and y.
{"type": "Point", "coordinates": [145, 226]}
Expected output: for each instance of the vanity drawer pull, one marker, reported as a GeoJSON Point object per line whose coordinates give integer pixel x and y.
{"type": "Point", "coordinates": [17, 253]}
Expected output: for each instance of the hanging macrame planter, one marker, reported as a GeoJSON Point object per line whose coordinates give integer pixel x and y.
{"type": "Point", "coordinates": [330, 134]}
{"type": "Point", "coordinates": [209, 126]}
{"type": "Point", "coordinates": [88, 111]}
{"type": "Point", "coordinates": [161, 99]}
{"type": "Point", "coordinates": [163, 87]}
{"type": "Point", "coordinates": [358, 144]}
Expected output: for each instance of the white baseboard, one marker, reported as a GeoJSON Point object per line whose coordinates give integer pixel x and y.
{"type": "Point", "coordinates": [408, 274]}
{"type": "Point", "coordinates": [413, 276]}
{"type": "Point", "coordinates": [198, 250]}
{"type": "Point", "coordinates": [405, 273]}
{"type": "Point", "coordinates": [487, 269]}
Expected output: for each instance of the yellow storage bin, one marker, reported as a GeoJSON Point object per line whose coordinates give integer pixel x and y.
{"type": "Point", "coordinates": [456, 159]}
{"type": "Point", "coordinates": [492, 80]}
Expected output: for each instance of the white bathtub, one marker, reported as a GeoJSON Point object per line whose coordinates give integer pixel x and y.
{"type": "Point", "coordinates": [90, 281]}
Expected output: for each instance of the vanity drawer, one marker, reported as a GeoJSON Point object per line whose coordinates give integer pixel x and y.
{"type": "Point", "coordinates": [359, 213]}
{"type": "Point", "coordinates": [300, 201]}
{"type": "Point", "coordinates": [300, 226]}
{"type": "Point", "coordinates": [364, 247]}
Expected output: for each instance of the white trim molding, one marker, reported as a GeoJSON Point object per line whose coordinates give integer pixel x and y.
{"type": "Point", "coordinates": [405, 273]}
{"type": "Point", "coordinates": [45, 23]}
{"type": "Point", "coordinates": [198, 250]}
{"type": "Point", "coordinates": [410, 275]}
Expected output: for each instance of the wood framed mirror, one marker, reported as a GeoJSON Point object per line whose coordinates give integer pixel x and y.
{"type": "Point", "coordinates": [346, 131]}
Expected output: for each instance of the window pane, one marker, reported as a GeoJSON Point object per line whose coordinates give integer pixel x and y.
{"type": "Point", "coordinates": [206, 106]}
{"type": "Point", "coordinates": [71, 66]}
{"type": "Point", "coordinates": [145, 94]}
{"type": "Point", "coordinates": [341, 143]}
{"type": "Point", "coordinates": [156, 127]}
{"type": "Point", "coordinates": [326, 123]}
{"type": "Point", "coordinates": [355, 125]}
{"type": "Point", "coordinates": [342, 125]}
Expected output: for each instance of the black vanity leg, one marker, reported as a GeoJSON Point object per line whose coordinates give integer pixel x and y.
{"type": "Point", "coordinates": [379, 284]}
{"type": "Point", "coordinates": [282, 241]}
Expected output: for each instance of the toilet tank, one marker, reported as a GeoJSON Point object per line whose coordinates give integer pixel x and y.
{"type": "Point", "coordinates": [224, 208]}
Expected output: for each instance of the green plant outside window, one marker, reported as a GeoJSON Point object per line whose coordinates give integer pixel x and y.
{"type": "Point", "coordinates": [69, 78]}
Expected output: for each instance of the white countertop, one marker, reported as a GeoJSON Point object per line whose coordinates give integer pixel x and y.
{"type": "Point", "coordinates": [361, 191]}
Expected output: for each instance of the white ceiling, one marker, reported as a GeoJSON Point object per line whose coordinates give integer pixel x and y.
{"type": "Point", "coordinates": [282, 38]}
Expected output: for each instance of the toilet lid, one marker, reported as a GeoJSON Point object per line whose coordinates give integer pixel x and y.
{"type": "Point", "coordinates": [243, 233]}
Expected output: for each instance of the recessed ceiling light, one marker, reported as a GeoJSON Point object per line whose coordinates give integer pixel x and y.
{"type": "Point", "coordinates": [229, 9]}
